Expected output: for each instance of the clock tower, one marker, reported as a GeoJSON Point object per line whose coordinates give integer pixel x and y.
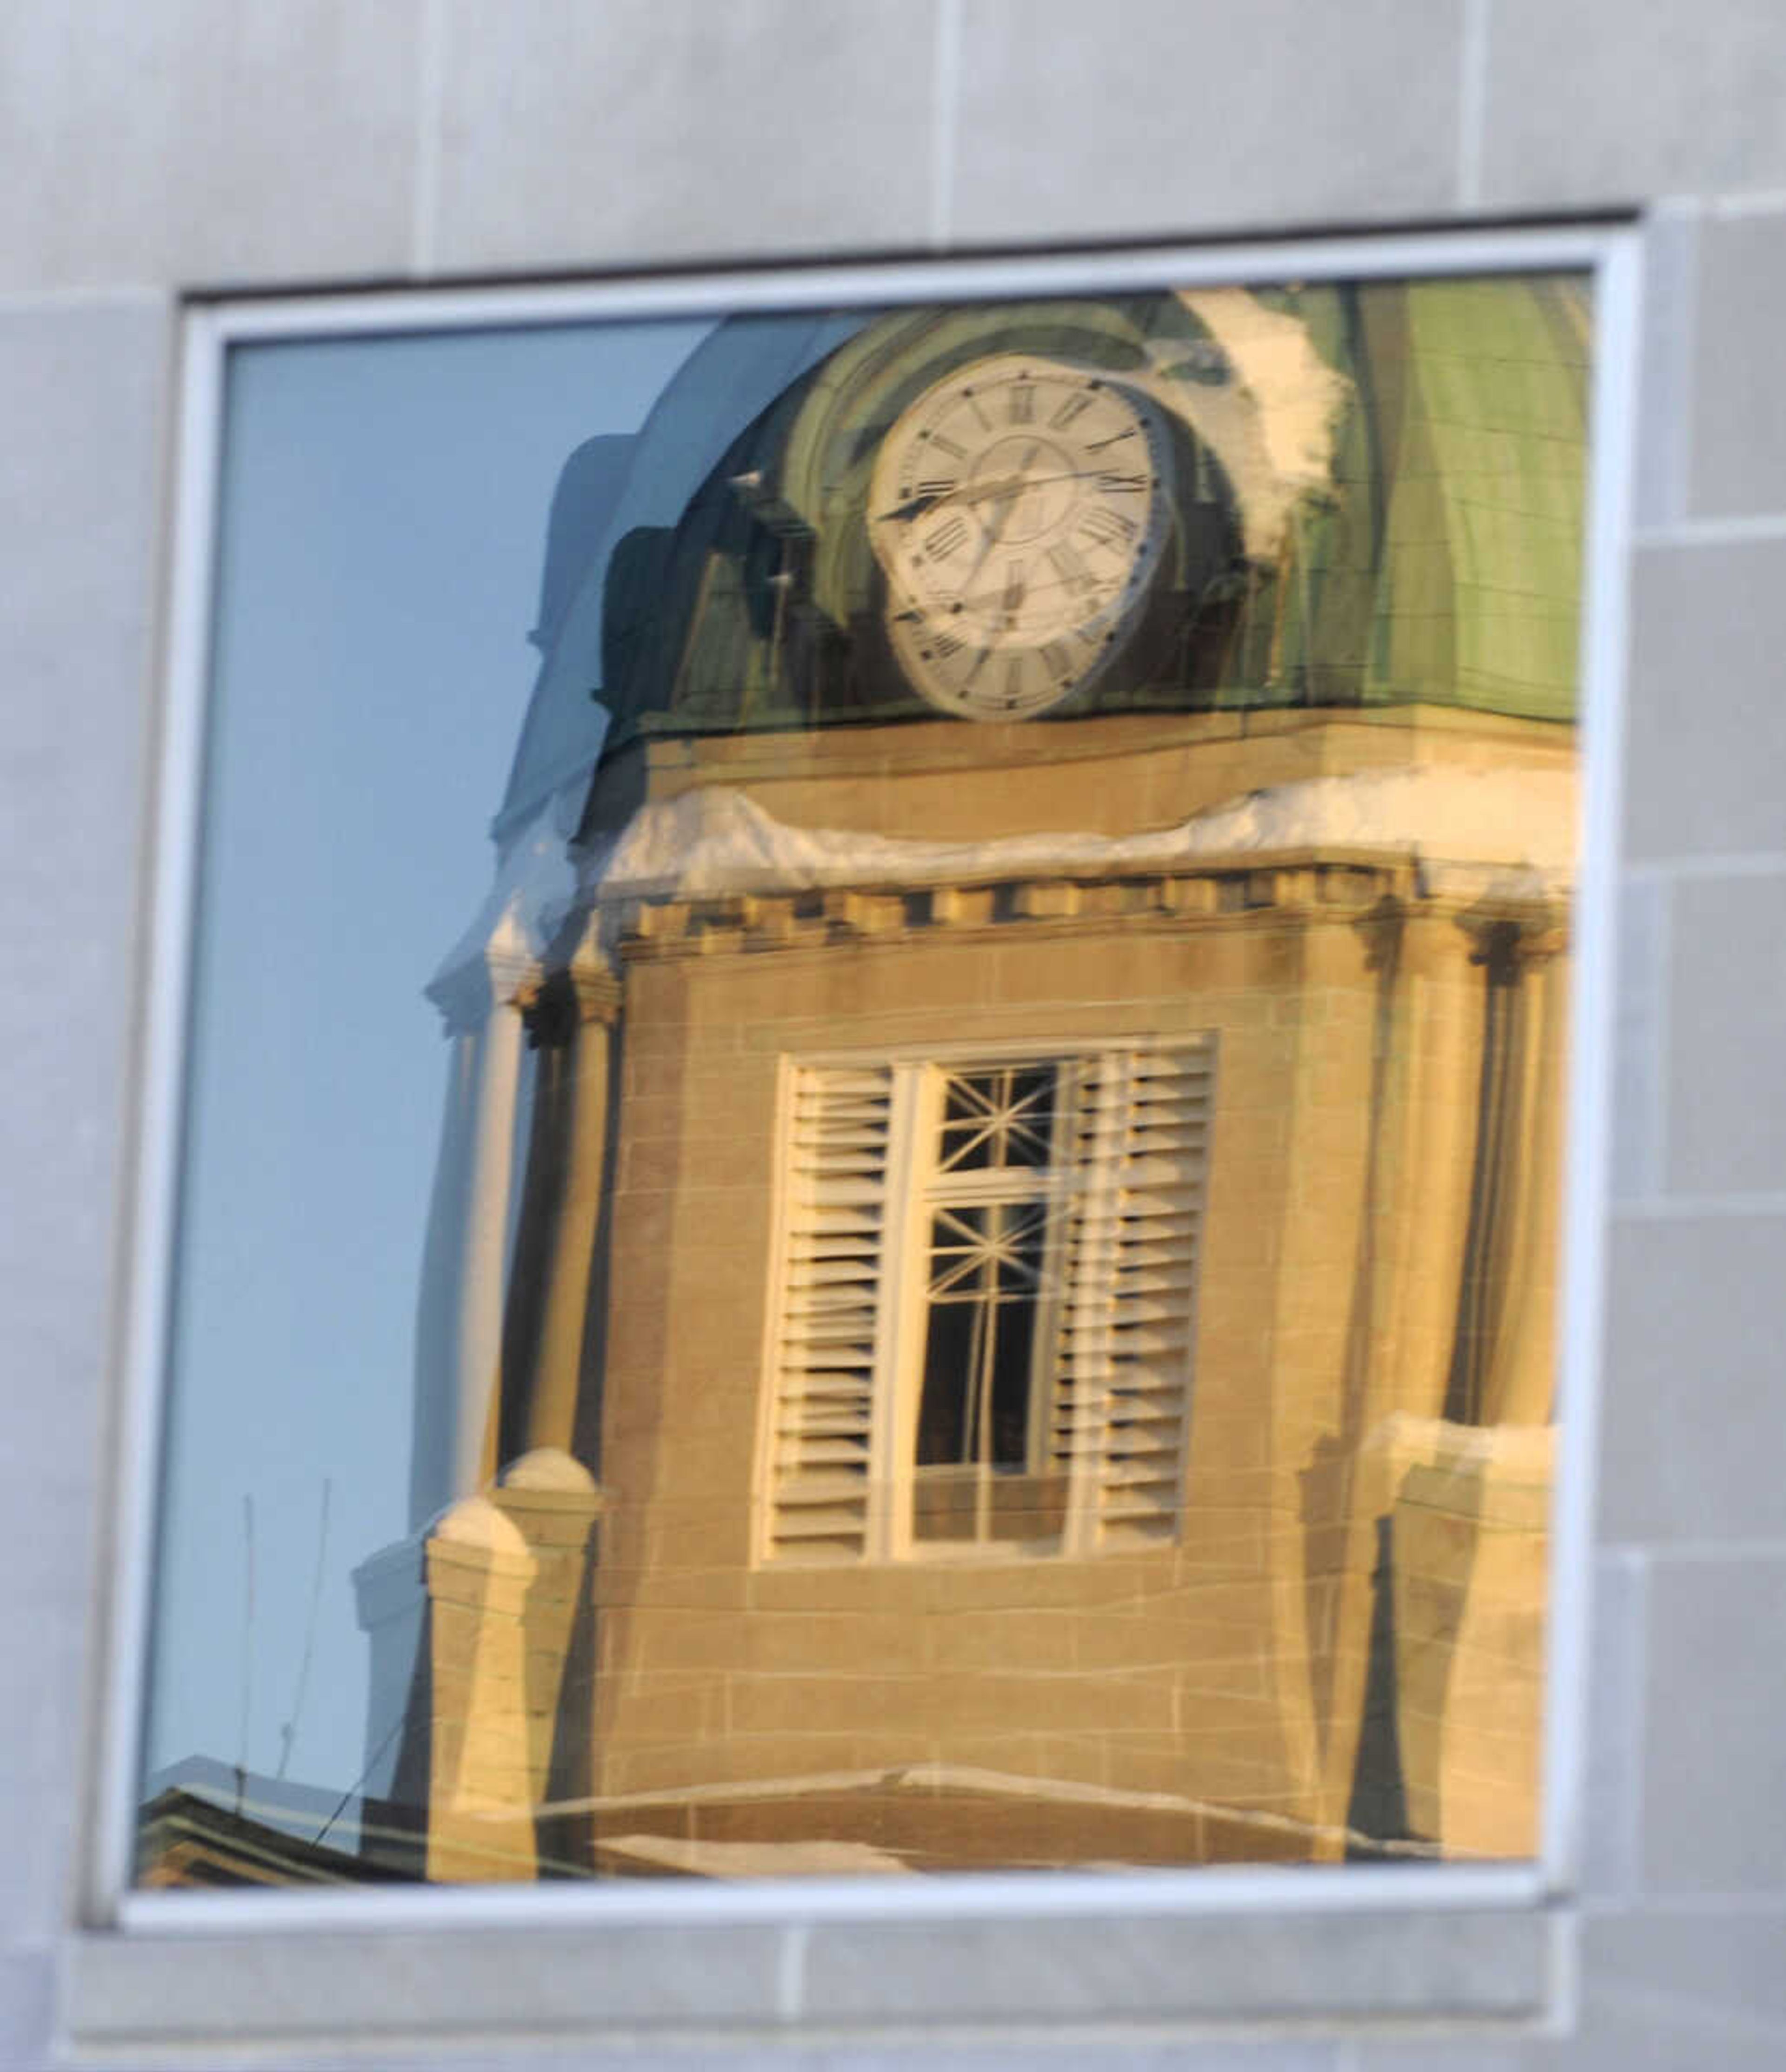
{"type": "Point", "coordinates": [1009, 1138]}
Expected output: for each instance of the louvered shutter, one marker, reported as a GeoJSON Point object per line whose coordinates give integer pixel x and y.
{"type": "Point", "coordinates": [828, 1312]}
{"type": "Point", "coordinates": [1140, 1137]}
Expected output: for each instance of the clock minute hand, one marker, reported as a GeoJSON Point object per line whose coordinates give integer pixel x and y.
{"type": "Point", "coordinates": [1009, 491]}
{"type": "Point", "coordinates": [999, 486]}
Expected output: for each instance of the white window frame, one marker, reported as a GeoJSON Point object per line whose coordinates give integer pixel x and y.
{"type": "Point", "coordinates": [144, 1969]}
{"type": "Point", "coordinates": [911, 1189]}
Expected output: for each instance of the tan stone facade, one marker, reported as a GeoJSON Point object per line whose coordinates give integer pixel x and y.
{"type": "Point", "coordinates": [1337, 1643]}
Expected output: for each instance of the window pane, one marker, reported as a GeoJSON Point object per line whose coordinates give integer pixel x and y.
{"type": "Point", "coordinates": [954, 1350]}
{"type": "Point", "coordinates": [965, 1175]}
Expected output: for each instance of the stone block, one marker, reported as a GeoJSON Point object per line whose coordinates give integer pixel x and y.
{"type": "Point", "coordinates": [1736, 453]}
{"type": "Point", "coordinates": [133, 1994]}
{"type": "Point", "coordinates": [665, 129]}
{"type": "Point", "coordinates": [1618, 100]}
{"type": "Point", "coordinates": [1612, 1786]}
{"type": "Point", "coordinates": [1665, 401]}
{"type": "Point", "coordinates": [1660, 1991]}
{"type": "Point", "coordinates": [1637, 1091]}
{"type": "Point", "coordinates": [1045, 1970]}
{"type": "Point", "coordinates": [1105, 124]}
{"type": "Point", "coordinates": [1691, 1448]}
{"type": "Point", "coordinates": [83, 396]}
{"type": "Point", "coordinates": [1726, 1125]}
{"type": "Point", "coordinates": [1714, 1761]}
{"type": "Point", "coordinates": [1707, 726]}
{"type": "Point", "coordinates": [27, 1991]}
{"type": "Point", "coordinates": [192, 142]}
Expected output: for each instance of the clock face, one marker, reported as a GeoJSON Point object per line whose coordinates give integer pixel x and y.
{"type": "Point", "coordinates": [1018, 508]}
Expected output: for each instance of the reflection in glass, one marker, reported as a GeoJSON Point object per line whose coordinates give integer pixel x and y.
{"type": "Point", "coordinates": [988, 1293]}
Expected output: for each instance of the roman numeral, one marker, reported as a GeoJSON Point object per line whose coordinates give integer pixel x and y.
{"type": "Point", "coordinates": [1057, 660]}
{"type": "Point", "coordinates": [948, 646]}
{"type": "Point", "coordinates": [1108, 528]}
{"type": "Point", "coordinates": [1023, 403]}
{"type": "Point", "coordinates": [1014, 586]}
{"type": "Point", "coordinates": [1075, 406]}
{"type": "Point", "coordinates": [941, 541]}
{"type": "Point", "coordinates": [1097, 445]}
{"type": "Point", "coordinates": [1014, 680]}
{"type": "Point", "coordinates": [1116, 484]}
{"type": "Point", "coordinates": [939, 486]}
{"type": "Point", "coordinates": [947, 445]}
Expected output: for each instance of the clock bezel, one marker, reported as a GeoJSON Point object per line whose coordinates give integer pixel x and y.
{"type": "Point", "coordinates": [1037, 669]}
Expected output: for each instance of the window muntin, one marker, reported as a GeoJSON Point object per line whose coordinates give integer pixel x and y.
{"type": "Point", "coordinates": [1281, 652]}
{"type": "Point", "coordinates": [992, 1288]}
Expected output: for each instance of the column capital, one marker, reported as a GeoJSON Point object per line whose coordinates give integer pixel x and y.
{"type": "Point", "coordinates": [598, 992]}
{"type": "Point", "coordinates": [1528, 932]}
{"type": "Point", "coordinates": [495, 975]}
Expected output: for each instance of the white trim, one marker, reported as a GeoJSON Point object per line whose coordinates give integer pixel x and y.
{"type": "Point", "coordinates": [1594, 1004]}
{"type": "Point", "coordinates": [1613, 255]}
{"type": "Point", "coordinates": [1296, 1889]}
{"type": "Point", "coordinates": [1428, 255]}
{"type": "Point", "coordinates": [911, 1120]}
{"type": "Point", "coordinates": [147, 1303]}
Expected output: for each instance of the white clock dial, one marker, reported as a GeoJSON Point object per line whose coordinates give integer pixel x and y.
{"type": "Point", "coordinates": [1018, 508]}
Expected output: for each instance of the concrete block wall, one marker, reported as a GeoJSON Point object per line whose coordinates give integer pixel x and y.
{"type": "Point", "coordinates": [151, 146]}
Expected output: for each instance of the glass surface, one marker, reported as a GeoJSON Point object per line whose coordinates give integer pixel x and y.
{"type": "Point", "coordinates": [937, 1250]}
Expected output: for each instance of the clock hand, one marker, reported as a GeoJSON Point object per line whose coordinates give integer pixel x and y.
{"type": "Point", "coordinates": [968, 492]}
{"type": "Point", "coordinates": [1000, 486]}
{"type": "Point", "coordinates": [986, 599]}
{"type": "Point", "coordinates": [1006, 504]}
{"type": "Point", "coordinates": [914, 507]}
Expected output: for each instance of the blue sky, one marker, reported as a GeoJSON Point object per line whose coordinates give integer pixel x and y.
{"type": "Point", "coordinates": [383, 506]}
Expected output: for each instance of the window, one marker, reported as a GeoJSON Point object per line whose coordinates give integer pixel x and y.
{"type": "Point", "coordinates": [986, 1302]}
{"type": "Point", "coordinates": [938, 1251]}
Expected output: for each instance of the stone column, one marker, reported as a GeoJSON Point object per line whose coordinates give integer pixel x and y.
{"type": "Point", "coordinates": [484, 1261]}
{"type": "Point", "coordinates": [1430, 1085]}
{"type": "Point", "coordinates": [1521, 1383]}
{"type": "Point", "coordinates": [480, 1795]}
{"type": "Point", "coordinates": [558, 1381]}
{"type": "Point", "coordinates": [459, 1330]}
{"type": "Point", "coordinates": [551, 1500]}
{"type": "Point", "coordinates": [1439, 1034]}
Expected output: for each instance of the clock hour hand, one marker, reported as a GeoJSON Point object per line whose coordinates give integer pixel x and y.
{"type": "Point", "coordinates": [1010, 490]}
{"type": "Point", "coordinates": [1002, 488]}
{"type": "Point", "coordinates": [914, 507]}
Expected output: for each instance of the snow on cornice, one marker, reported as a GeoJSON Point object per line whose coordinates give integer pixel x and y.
{"type": "Point", "coordinates": [1510, 833]}
{"type": "Point", "coordinates": [1519, 826]}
